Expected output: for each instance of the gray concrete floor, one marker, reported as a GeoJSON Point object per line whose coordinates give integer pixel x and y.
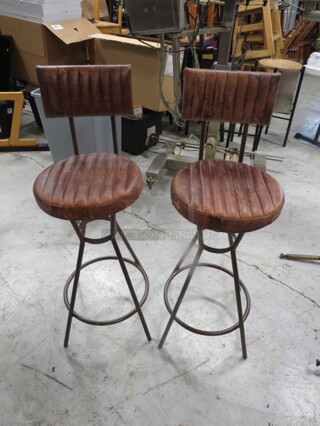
{"type": "Point", "coordinates": [112, 375]}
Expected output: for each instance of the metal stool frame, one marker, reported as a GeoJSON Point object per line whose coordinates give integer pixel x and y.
{"type": "Point", "coordinates": [234, 241]}
{"type": "Point", "coordinates": [75, 276]}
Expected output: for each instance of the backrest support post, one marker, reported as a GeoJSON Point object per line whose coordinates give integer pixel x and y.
{"type": "Point", "coordinates": [73, 136]}
{"type": "Point", "coordinates": [203, 138]}
{"type": "Point", "coordinates": [114, 135]}
{"type": "Point", "coordinates": [243, 142]}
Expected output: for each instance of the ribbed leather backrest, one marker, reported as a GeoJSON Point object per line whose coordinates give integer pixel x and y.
{"type": "Point", "coordinates": [85, 90]}
{"type": "Point", "coordinates": [229, 96]}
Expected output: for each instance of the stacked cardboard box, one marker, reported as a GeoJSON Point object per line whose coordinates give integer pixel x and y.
{"type": "Point", "coordinates": [144, 60]}
{"type": "Point", "coordinates": [41, 11]}
{"type": "Point", "coordinates": [57, 43]}
{"type": "Point", "coordinates": [78, 42]}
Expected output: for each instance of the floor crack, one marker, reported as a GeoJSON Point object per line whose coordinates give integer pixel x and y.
{"type": "Point", "coordinates": [281, 282]}
{"type": "Point", "coordinates": [147, 222]}
{"type": "Point", "coordinates": [30, 158]}
{"type": "Point", "coordinates": [46, 375]}
{"type": "Point", "coordinates": [14, 293]}
{"type": "Point", "coordinates": [175, 377]}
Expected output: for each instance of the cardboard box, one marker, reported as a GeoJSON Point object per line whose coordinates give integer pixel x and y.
{"type": "Point", "coordinates": [112, 49]}
{"type": "Point", "coordinates": [58, 43]}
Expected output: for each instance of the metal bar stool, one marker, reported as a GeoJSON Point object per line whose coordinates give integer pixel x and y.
{"type": "Point", "coordinates": [88, 187]}
{"type": "Point", "coordinates": [219, 195]}
{"type": "Point", "coordinates": [289, 90]}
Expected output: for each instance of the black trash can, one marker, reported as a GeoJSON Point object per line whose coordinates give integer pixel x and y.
{"type": "Point", "coordinates": [6, 114]}
{"type": "Point", "coordinates": [136, 132]}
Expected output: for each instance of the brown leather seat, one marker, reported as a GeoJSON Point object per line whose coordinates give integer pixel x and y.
{"type": "Point", "coordinates": [226, 196]}
{"type": "Point", "coordinates": [88, 186]}
{"type": "Point", "coordinates": [221, 195]}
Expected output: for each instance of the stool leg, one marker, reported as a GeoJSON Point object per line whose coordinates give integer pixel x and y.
{"type": "Point", "coordinates": [126, 275]}
{"type": "Point", "coordinates": [238, 296]}
{"type": "Point", "coordinates": [294, 104]}
{"type": "Point", "coordinates": [74, 292]}
{"type": "Point", "coordinates": [257, 137]}
{"type": "Point", "coordinates": [233, 129]}
{"type": "Point", "coordinates": [130, 249]}
{"type": "Point", "coordinates": [185, 286]}
{"type": "Point", "coordinates": [187, 251]}
{"type": "Point", "coordinates": [229, 135]}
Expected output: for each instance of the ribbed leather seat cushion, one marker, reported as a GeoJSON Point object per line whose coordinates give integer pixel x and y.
{"type": "Point", "coordinates": [226, 196]}
{"type": "Point", "coordinates": [88, 186]}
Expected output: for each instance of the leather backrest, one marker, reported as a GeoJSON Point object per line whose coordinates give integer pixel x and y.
{"type": "Point", "coordinates": [229, 96]}
{"type": "Point", "coordinates": [85, 90]}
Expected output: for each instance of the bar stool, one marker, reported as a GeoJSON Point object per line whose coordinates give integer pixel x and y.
{"type": "Point", "coordinates": [219, 195]}
{"type": "Point", "coordinates": [289, 89]}
{"type": "Point", "coordinates": [87, 187]}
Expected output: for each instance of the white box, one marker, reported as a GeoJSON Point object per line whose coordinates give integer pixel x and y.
{"type": "Point", "coordinates": [65, 17]}
{"type": "Point", "coordinates": [41, 12]}
{"type": "Point", "coordinates": [47, 2]}
{"type": "Point", "coordinates": [55, 1]}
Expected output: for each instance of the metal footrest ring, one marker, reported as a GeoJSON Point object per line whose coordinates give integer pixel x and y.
{"type": "Point", "coordinates": [114, 321]}
{"type": "Point", "coordinates": [196, 330]}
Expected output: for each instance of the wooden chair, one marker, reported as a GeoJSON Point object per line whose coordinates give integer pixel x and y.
{"type": "Point", "coordinates": [111, 26]}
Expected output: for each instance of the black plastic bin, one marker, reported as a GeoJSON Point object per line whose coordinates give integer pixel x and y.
{"type": "Point", "coordinates": [5, 52]}
{"type": "Point", "coordinates": [6, 113]}
{"type": "Point", "coordinates": [136, 132]}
